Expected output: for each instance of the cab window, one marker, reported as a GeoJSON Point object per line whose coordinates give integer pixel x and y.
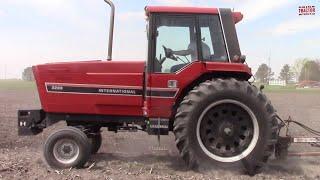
{"type": "Point", "coordinates": [176, 43]}
{"type": "Point", "coordinates": [213, 44]}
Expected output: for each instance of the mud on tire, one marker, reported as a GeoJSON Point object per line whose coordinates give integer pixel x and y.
{"type": "Point", "coordinates": [226, 122]}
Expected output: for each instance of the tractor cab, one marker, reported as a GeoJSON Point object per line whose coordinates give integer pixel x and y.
{"type": "Point", "coordinates": [187, 46]}
{"type": "Point", "coordinates": [200, 34]}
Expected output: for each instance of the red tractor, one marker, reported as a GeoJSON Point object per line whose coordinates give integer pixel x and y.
{"type": "Point", "coordinates": [193, 83]}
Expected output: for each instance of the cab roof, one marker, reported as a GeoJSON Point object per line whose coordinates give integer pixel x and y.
{"type": "Point", "coordinates": [237, 16]}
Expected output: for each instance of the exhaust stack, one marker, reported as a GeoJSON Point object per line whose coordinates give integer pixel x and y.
{"type": "Point", "coordinates": [111, 29]}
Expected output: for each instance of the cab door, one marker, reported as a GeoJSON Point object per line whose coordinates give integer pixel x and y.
{"type": "Point", "coordinates": [167, 76]}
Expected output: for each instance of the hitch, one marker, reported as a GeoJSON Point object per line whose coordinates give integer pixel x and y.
{"type": "Point", "coordinates": [281, 148]}
{"type": "Point", "coordinates": [283, 144]}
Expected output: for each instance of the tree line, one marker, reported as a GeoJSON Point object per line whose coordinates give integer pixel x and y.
{"type": "Point", "coordinates": [302, 70]}
{"type": "Point", "coordinates": [27, 74]}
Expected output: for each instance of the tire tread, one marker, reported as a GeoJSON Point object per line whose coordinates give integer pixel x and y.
{"type": "Point", "coordinates": [183, 114]}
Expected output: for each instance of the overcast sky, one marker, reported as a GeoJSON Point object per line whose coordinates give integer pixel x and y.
{"type": "Point", "coordinates": [39, 31]}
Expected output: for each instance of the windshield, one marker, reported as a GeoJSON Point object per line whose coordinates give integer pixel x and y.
{"type": "Point", "coordinates": [178, 41]}
{"type": "Point", "coordinates": [178, 34]}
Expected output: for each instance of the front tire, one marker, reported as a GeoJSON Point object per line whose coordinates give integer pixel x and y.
{"type": "Point", "coordinates": [68, 147]}
{"type": "Point", "coordinates": [226, 122]}
{"type": "Point", "coordinates": [96, 141]}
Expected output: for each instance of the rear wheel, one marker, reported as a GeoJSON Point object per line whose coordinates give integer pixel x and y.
{"type": "Point", "coordinates": [68, 147]}
{"type": "Point", "coordinates": [226, 122]}
{"type": "Point", "coordinates": [227, 131]}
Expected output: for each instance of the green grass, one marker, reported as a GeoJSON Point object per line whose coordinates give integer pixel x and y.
{"type": "Point", "coordinates": [14, 84]}
{"type": "Point", "coordinates": [288, 89]}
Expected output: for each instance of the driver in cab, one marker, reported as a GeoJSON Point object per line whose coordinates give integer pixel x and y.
{"type": "Point", "coordinates": [192, 50]}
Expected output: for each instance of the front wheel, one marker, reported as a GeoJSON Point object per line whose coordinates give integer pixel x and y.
{"type": "Point", "coordinates": [96, 141]}
{"type": "Point", "coordinates": [226, 122]}
{"type": "Point", "coordinates": [68, 147]}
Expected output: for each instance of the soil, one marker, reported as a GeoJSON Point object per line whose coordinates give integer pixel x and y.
{"type": "Point", "coordinates": [133, 155]}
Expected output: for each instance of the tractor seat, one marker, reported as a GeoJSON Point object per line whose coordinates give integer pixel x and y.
{"type": "Point", "coordinates": [177, 67]}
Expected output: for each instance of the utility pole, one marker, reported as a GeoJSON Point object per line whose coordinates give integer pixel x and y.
{"type": "Point", "coordinates": [5, 71]}
{"type": "Point", "coordinates": [269, 64]}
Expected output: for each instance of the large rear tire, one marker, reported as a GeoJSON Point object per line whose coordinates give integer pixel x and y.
{"type": "Point", "coordinates": [68, 147]}
{"type": "Point", "coordinates": [226, 122]}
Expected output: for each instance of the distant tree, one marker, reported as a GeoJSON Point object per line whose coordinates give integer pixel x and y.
{"type": "Point", "coordinates": [271, 75]}
{"type": "Point", "coordinates": [27, 74]}
{"type": "Point", "coordinates": [264, 73]}
{"type": "Point", "coordinates": [310, 71]}
{"type": "Point", "coordinates": [286, 74]}
{"type": "Point", "coordinates": [297, 67]}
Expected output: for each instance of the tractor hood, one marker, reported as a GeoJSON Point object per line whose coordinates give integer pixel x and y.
{"type": "Point", "coordinates": [85, 71]}
{"type": "Point", "coordinates": [72, 79]}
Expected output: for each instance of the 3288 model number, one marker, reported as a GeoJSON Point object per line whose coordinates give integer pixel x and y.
{"type": "Point", "coordinates": [57, 87]}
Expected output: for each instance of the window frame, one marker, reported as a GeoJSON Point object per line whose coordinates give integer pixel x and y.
{"type": "Point", "coordinates": [152, 47]}
{"type": "Point", "coordinates": [223, 38]}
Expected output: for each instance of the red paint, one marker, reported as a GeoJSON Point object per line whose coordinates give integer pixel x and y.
{"type": "Point", "coordinates": [117, 73]}
{"type": "Point", "coordinates": [193, 10]}
{"type": "Point", "coordinates": [123, 73]}
{"type": "Point", "coordinates": [163, 107]}
{"type": "Point", "coordinates": [237, 16]}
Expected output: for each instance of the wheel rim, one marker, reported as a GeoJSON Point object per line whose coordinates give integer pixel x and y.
{"type": "Point", "coordinates": [66, 151]}
{"type": "Point", "coordinates": [227, 131]}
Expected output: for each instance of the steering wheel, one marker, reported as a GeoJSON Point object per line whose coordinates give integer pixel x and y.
{"type": "Point", "coordinates": [162, 59]}
{"type": "Point", "coordinates": [169, 53]}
